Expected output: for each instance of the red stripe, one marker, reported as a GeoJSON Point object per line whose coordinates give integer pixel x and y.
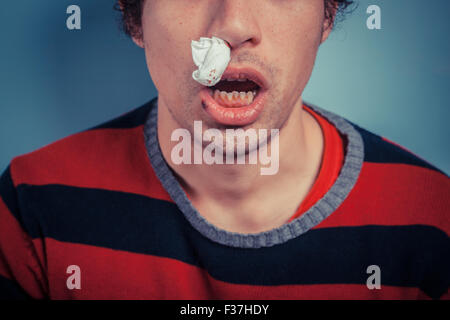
{"type": "Point", "coordinates": [395, 194]}
{"type": "Point", "coordinates": [18, 259]}
{"type": "Point", "coordinates": [446, 296]}
{"type": "Point", "coordinates": [114, 274]}
{"type": "Point", "coordinates": [111, 159]}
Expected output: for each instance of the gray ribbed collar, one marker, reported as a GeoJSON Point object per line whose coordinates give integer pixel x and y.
{"type": "Point", "coordinates": [323, 208]}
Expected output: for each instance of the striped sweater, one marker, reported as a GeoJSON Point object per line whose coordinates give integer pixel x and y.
{"type": "Point", "coordinates": [104, 200]}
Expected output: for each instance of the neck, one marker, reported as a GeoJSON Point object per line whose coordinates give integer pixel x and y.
{"type": "Point", "coordinates": [237, 197]}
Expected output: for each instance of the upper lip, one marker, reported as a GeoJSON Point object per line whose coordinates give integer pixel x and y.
{"type": "Point", "coordinates": [248, 73]}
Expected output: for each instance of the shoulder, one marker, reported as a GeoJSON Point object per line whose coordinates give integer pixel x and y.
{"type": "Point", "coordinates": [378, 149]}
{"type": "Point", "coordinates": [81, 154]}
{"type": "Point", "coordinates": [109, 156]}
{"type": "Point", "coordinates": [394, 187]}
{"type": "Point", "coordinates": [388, 167]}
{"type": "Point", "coordinates": [397, 187]}
{"type": "Point", "coordinates": [392, 166]}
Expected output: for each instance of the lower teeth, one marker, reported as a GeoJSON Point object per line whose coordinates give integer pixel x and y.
{"type": "Point", "coordinates": [234, 99]}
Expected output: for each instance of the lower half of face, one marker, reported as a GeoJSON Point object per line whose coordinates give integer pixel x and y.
{"type": "Point", "coordinates": [284, 38]}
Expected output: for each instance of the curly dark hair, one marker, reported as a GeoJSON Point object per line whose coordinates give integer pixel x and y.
{"type": "Point", "coordinates": [132, 13]}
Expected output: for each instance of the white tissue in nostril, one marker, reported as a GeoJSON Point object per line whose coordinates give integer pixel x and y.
{"type": "Point", "coordinates": [211, 56]}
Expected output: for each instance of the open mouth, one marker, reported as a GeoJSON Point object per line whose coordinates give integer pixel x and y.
{"type": "Point", "coordinates": [235, 93]}
{"type": "Point", "coordinates": [238, 99]}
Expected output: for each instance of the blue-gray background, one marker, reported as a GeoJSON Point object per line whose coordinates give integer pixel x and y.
{"type": "Point", "coordinates": [55, 82]}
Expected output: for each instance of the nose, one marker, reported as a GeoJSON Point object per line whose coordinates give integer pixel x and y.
{"type": "Point", "coordinates": [235, 21]}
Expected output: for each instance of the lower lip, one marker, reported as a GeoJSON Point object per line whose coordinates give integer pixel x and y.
{"type": "Point", "coordinates": [239, 116]}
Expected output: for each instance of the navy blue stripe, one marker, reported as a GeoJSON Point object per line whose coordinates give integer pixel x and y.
{"type": "Point", "coordinates": [8, 192]}
{"type": "Point", "coordinates": [415, 256]}
{"type": "Point", "coordinates": [129, 120]}
{"type": "Point", "coordinates": [381, 151]}
{"type": "Point", "coordinates": [10, 290]}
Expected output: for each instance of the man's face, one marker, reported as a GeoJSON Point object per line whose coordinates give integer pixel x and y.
{"type": "Point", "coordinates": [277, 38]}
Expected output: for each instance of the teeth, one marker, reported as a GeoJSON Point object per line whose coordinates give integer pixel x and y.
{"type": "Point", "coordinates": [244, 97]}
{"type": "Point", "coordinates": [250, 97]}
